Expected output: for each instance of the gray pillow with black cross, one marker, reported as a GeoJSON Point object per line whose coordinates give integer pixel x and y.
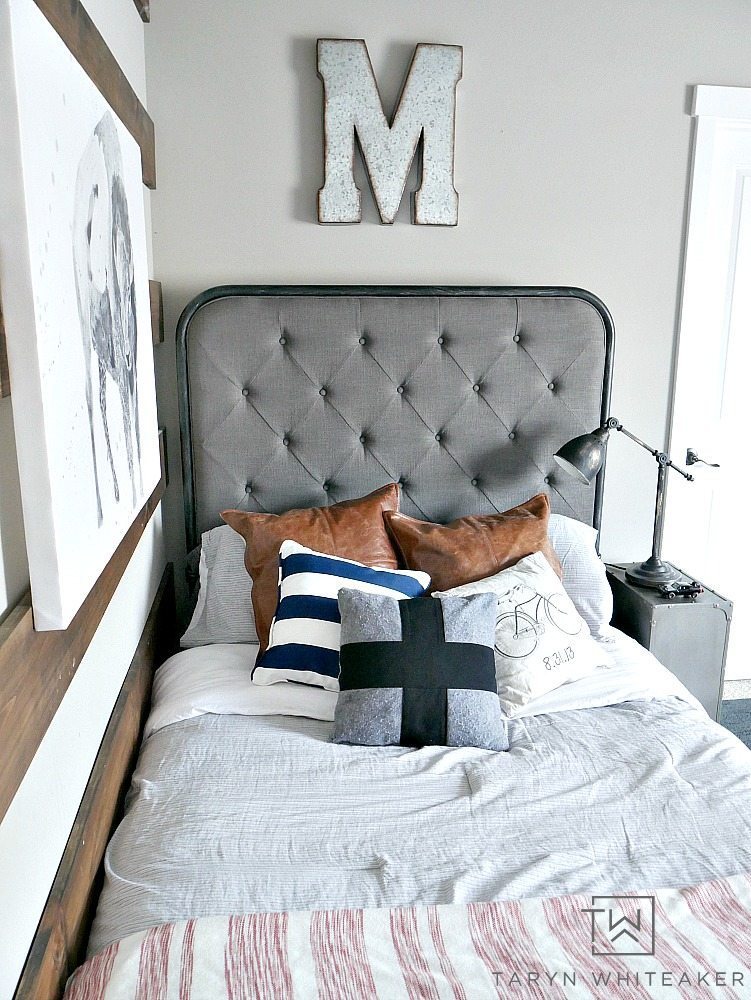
{"type": "Point", "coordinates": [418, 672]}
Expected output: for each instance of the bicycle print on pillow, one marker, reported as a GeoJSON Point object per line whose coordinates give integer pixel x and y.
{"type": "Point", "coordinates": [518, 631]}
{"type": "Point", "coordinates": [541, 640]}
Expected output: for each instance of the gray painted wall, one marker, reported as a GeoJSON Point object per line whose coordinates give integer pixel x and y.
{"type": "Point", "coordinates": [573, 148]}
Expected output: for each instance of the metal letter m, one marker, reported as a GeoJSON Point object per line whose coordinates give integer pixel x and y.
{"type": "Point", "coordinates": [426, 110]}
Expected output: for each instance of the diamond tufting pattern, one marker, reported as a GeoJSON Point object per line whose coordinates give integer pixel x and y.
{"type": "Point", "coordinates": [302, 400]}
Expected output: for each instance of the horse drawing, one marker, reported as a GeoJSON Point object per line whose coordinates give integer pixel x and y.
{"type": "Point", "coordinates": [103, 262]}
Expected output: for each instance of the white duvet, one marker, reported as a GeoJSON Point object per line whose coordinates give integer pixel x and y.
{"type": "Point", "coordinates": [216, 680]}
{"type": "Point", "coordinates": [240, 802]}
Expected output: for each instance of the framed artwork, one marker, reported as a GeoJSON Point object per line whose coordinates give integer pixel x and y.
{"type": "Point", "coordinates": [77, 314]}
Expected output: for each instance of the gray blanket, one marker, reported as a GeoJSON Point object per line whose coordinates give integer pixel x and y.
{"type": "Point", "coordinates": [234, 814]}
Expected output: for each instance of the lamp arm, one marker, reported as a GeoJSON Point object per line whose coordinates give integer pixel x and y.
{"type": "Point", "coordinates": [653, 571]}
{"type": "Point", "coordinates": [662, 459]}
{"type": "Point", "coordinates": [584, 456]}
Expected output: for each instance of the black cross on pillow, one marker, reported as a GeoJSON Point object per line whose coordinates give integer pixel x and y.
{"type": "Point", "coordinates": [425, 666]}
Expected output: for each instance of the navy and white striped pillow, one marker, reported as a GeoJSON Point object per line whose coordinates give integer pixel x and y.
{"type": "Point", "coordinates": [305, 633]}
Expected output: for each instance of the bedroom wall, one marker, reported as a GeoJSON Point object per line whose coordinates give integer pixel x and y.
{"type": "Point", "coordinates": [573, 145]}
{"type": "Point", "coordinates": [36, 827]}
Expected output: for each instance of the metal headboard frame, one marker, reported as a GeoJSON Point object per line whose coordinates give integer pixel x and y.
{"type": "Point", "coordinates": [406, 291]}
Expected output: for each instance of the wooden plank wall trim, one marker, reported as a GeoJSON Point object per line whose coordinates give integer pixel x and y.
{"type": "Point", "coordinates": [157, 312]}
{"type": "Point", "coordinates": [142, 6]}
{"type": "Point", "coordinates": [59, 944]}
{"type": "Point", "coordinates": [78, 31]}
{"type": "Point", "coordinates": [4, 375]}
{"type": "Point", "coordinates": [37, 667]}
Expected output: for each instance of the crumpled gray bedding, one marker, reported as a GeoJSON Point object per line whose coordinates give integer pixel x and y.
{"type": "Point", "coordinates": [233, 814]}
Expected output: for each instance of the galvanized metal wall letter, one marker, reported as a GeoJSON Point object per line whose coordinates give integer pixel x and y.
{"type": "Point", "coordinates": [426, 108]}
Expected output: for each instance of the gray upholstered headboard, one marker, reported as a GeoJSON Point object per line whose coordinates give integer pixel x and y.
{"type": "Point", "coordinates": [304, 395]}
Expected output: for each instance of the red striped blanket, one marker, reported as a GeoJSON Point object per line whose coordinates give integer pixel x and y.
{"type": "Point", "coordinates": [686, 943]}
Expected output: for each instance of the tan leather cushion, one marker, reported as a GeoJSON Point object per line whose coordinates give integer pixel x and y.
{"type": "Point", "coordinates": [472, 548]}
{"type": "Point", "coordinates": [353, 529]}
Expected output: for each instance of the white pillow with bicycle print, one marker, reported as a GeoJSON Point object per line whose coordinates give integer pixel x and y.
{"type": "Point", "coordinates": [541, 640]}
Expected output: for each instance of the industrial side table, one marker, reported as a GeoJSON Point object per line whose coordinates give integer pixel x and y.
{"type": "Point", "coordinates": [688, 635]}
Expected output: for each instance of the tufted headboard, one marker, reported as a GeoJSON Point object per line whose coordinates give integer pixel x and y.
{"type": "Point", "coordinates": [297, 396]}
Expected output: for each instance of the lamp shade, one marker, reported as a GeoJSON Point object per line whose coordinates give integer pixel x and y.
{"type": "Point", "coordinates": [582, 456]}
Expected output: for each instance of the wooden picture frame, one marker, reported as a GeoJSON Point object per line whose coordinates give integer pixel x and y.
{"type": "Point", "coordinates": [77, 314]}
{"type": "Point", "coordinates": [143, 8]}
{"type": "Point", "coordinates": [72, 23]}
{"type": "Point", "coordinates": [32, 662]}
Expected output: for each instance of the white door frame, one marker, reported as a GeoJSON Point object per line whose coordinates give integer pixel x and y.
{"type": "Point", "coordinates": [720, 185]}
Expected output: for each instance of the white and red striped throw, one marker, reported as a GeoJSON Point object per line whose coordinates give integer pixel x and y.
{"type": "Point", "coordinates": [687, 943]}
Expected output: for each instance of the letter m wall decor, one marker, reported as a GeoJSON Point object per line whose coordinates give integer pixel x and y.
{"type": "Point", "coordinates": [426, 110]}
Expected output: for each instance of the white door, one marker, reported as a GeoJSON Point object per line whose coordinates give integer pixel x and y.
{"type": "Point", "coordinates": [708, 522]}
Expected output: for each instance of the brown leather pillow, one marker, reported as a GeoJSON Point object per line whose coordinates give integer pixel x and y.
{"type": "Point", "coordinates": [353, 529]}
{"type": "Point", "coordinates": [472, 548]}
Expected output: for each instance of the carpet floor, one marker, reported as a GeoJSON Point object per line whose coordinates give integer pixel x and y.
{"type": "Point", "coordinates": [736, 716]}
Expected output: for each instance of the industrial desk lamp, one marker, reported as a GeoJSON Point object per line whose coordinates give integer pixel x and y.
{"type": "Point", "coordinates": [582, 458]}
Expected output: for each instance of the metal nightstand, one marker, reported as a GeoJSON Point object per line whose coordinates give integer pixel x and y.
{"type": "Point", "coordinates": [688, 635]}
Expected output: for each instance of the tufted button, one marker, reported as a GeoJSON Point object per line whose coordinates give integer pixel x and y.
{"type": "Point", "coordinates": [248, 487]}
{"type": "Point", "coordinates": [361, 341]}
{"type": "Point", "coordinates": [400, 389]}
{"type": "Point", "coordinates": [401, 481]}
{"type": "Point", "coordinates": [441, 341]}
{"type": "Point", "coordinates": [322, 391]}
{"type": "Point", "coordinates": [476, 387]}
{"type": "Point", "coordinates": [511, 435]}
{"type": "Point", "coordinates": [438, 436]}
{"type": "Point", "coordinates": [551, 386]}
{"type": "Point", "coordinates": [285, 442]}
{"type": "Point", "coordinates": [474, 482]}
{"type": "Point", "coordinates": [325, 487]}
{"type": "Point", "coordinates": [246, 391]}
{"type": "Point", "coordinates": [363, 439]}
{"type": "Point", "coordinates": [546, 480]}
{"type": "Point", "coordinates": [282, 341]}
{"type": "Point", "coordinates": [517, 338]}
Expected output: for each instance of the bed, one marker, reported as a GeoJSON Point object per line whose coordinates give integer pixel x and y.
{"type": "Point", "coordinates": [258, 858]}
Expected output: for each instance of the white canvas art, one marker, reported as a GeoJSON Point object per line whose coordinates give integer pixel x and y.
{"type": "Point", "coordinates": [76, 306]}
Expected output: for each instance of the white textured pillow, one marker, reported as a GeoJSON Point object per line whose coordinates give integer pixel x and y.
{"type": "Point", "coordinates": [223, 612]}
{"type": "Point", "coordinates": [541, 640]}
{"type": "Point", "coordinates": [584, 575]}
{"type": "Point", "coordinates": [217, 681]}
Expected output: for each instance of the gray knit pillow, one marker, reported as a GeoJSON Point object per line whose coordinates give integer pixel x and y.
{"type": "Point", "coordinates": [418, 672]}
{"type": "Point", "coordinates": [224, 610]}
{"type": "Point", "coordinates": [584, 575]}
